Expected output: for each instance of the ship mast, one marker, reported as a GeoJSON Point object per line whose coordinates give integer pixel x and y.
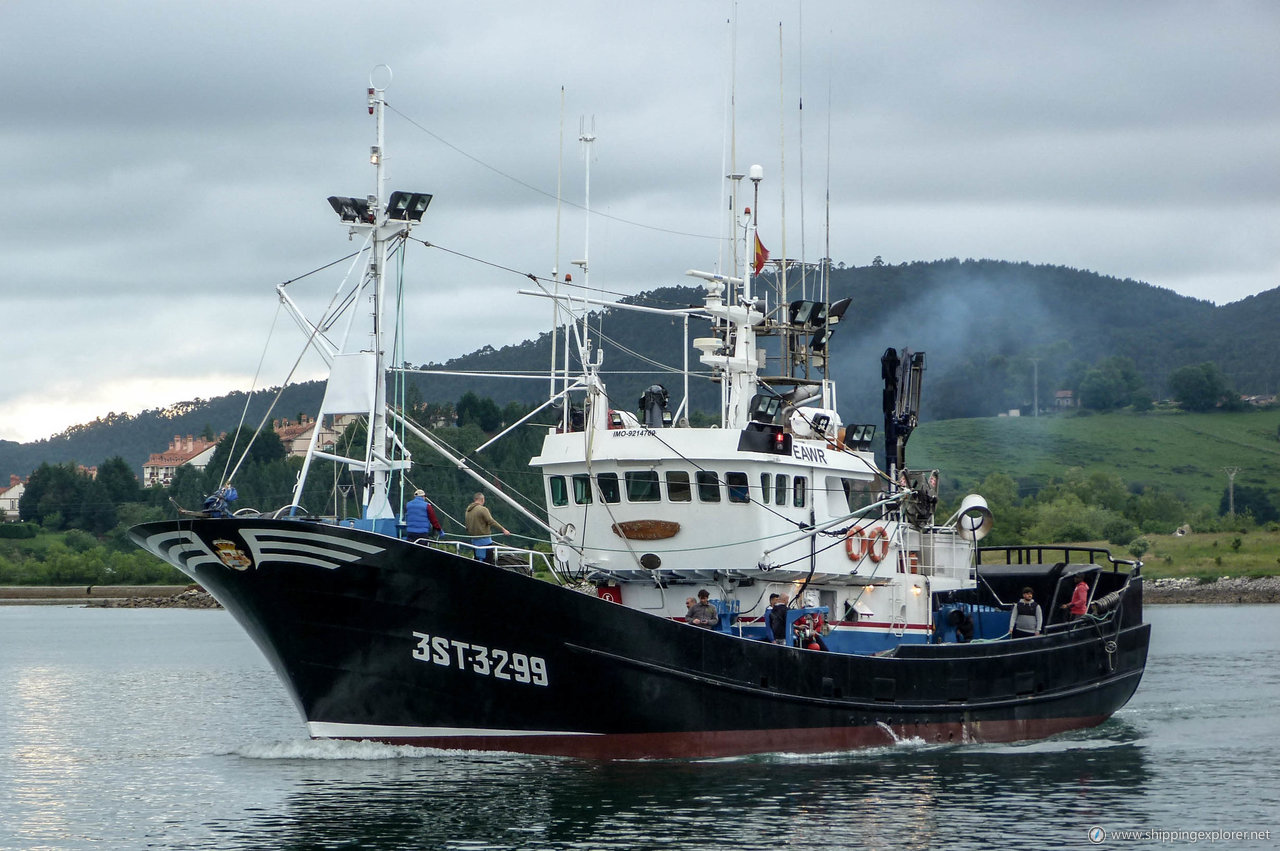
{"type": "Point", "coordinates": [358, 368]}
{"type": "Point", "coordinates": [376, 504]}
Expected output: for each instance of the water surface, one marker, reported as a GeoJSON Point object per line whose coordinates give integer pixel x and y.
{"type": "Point", "coordinates": [153, 728]}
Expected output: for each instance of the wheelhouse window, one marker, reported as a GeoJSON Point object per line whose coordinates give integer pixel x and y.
{"type": "Point", "coordinates": [609, 490]}
{"type": "Point", "coordinates": [766, 489]}
{"type": "Point", "coordinates": [559, 490]}
{"type": "Point", "coordinates": [738, 488]}
{"type": "Point", "coordinates": [642, 486]}
{"type": "Point", "coordinates": [708, 486]}
{"type": "Point", "coordinates": [582, 489]}
{"type": "Point", "coordinates": [780, 489]}
{"type": "Point", "coordinates": [678, 489]}
{"type": "Point", "coordinates": [801, 483]}
{"type": "Point", "coordinates": [857, 493]}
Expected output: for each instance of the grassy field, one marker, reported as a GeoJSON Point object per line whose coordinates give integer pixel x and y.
{"type": "Point", "coordinates": [1207, 556]}
{"type": "Point", "coordinates": [1183, 453]}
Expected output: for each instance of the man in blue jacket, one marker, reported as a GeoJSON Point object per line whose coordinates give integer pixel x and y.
{"type": "Point", "coordinates": [420, 523]}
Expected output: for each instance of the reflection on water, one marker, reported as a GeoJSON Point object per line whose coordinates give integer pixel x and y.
{"type": "Point", "coordinates": [909, 796]}
{"type": "Point", "coordinates": [167, 729]}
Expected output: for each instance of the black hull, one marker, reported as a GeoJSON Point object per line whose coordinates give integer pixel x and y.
{"type": "Point", "coordinates": [379, 639]}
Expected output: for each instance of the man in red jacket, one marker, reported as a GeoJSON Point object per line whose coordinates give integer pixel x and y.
{"type": "Point", "coordinates": [1079, 598]}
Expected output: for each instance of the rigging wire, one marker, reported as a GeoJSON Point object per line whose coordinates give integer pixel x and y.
{"type": "Point", "coordinates": [244, 413]}
{"type": "Point", "coordinates": [322, 268]}
{"type": "Point", "coordinates": [539, 279]}
{"type": "Point", "coordinates": [543, 192]}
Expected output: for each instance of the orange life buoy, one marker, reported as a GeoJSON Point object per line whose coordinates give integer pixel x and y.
{"type": "Point", "coordinates": [877, 543]}
{"type": "Point", "coordinates": [855, 545]}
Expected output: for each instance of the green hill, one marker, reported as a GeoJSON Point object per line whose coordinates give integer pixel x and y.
{"type": "Point", "coordinates": [1183, 453]}
{"type": "Point", "coordinates": [997, 335]}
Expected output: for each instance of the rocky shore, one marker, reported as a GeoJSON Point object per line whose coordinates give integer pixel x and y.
{"type": "Point", "coordinates": [1225, 589]}
{"type": "Point", "coordinates": [194, 597]}
{"type": "Point", "coordinates": [109, 596]}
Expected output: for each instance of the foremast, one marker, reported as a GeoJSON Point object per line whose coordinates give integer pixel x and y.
{"type": "Point", "coordinates": [379, 461]}
{"type": "Point", "coordinates": [359, 364]}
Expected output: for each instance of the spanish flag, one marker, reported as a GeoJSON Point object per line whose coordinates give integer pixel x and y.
{"type": "Point", "coordinates": [761, 255]}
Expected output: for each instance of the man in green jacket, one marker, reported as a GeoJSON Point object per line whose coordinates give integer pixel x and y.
{"type": "Point", "coordinates": [480, 525]}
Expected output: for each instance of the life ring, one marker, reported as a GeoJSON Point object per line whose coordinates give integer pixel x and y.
{"type": "Point", "coordinates": [877, 543]}
{"type": "Point", "coordinates": [855, 544]}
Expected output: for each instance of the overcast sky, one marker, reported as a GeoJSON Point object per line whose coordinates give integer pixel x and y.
{"type": "Point", "coordinates": [167, 163]}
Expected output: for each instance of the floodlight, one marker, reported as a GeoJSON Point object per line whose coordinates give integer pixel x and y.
{"type": "Point", "coordinates": [408, 206]}
{"type": "Point", "coordinates": [812, 313]}
{"type": "Point", "coordinates": [351, 209]}
{"type": "Point", "coordinates": [837, 309]}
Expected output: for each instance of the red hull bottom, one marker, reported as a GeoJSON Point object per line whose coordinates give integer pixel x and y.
{"type": "Point", "coordinates": [723, 743]}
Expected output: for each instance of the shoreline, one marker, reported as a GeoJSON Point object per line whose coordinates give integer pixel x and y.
{"type": "Point", "coordinates": [109, 596]}
{"type": "Point", "coordinates": [1225, 590]}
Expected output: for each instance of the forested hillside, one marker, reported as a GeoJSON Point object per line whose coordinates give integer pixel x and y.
{"type": "Point", "coordinates": [135, 436]}
{"type": "Point", "coordinates": [990, 330]}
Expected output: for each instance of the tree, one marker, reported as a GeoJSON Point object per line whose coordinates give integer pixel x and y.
{"type": "Point", "coordinates": [1100, 391]}
{"type": "Point", "coordinates": [96, 513]}
{"type": "Point", "coordinates": [482, 412]}
{"type": "Point", "coordinates": [1250, 500]}
{"type": "Point", "coordinates": [186, 488]}
{"type": "Point", "coordinates": [262, 449]}
{"type": "Point", "coordinates": [1067, 518]}
{"type": "Point", "coordinates": [53, 496]}
{"type": "Point", "coordinates": [1201, 387]}
{"type": "Point", "coordinates": [1100, 488]}
{"type": "Point", "coordinates": [1112, 384]}
{"type": "Point", "coordinates": [1157, 511]}
{"type": "Point", "coordinates": [118, 481]}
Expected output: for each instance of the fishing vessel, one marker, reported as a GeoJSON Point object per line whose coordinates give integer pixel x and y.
{"type": "Point", "coordinates": [841, 609]}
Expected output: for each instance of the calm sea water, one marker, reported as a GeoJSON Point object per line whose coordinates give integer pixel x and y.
{"type": "Point", "coordinates": [166, 729]}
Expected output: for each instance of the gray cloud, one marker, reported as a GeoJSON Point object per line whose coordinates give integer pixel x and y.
{"type": "Point", "coordinates": [167, 163]}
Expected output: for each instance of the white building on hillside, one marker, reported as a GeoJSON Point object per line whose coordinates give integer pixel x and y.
{"type": "Point", "coordinates": [160, 467]}
{"type": "Point", "coordinates": [9, 497]}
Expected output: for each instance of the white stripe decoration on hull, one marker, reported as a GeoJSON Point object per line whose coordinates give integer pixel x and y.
{"type": "Point", "coordinates": [334, 730]}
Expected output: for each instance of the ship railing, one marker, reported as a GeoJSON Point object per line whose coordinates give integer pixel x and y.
{"type": "Point", "coordinates": [517, 558]}
{"type": "Point", "coordinates": [1053, 554]}
{"type": "Point", "coordinates": [941, 553]}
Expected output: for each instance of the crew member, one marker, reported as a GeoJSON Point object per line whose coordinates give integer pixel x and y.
{"type": "Point", "coordinates": [778, 617]}
{"type": "Point", "coordinates": [1026, 619]}
{"type": "Point", "coordinates": [1079, 598]}
{"type": "Point", "coordinates": [480, 525]}
{"type": "Point", "coordinates": [702, 613]}
{"type": "Point", "coordinates": [420, 523]}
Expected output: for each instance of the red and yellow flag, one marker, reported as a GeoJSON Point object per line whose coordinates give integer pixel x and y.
{"type": "Point", "coordinates": [761, 255]}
